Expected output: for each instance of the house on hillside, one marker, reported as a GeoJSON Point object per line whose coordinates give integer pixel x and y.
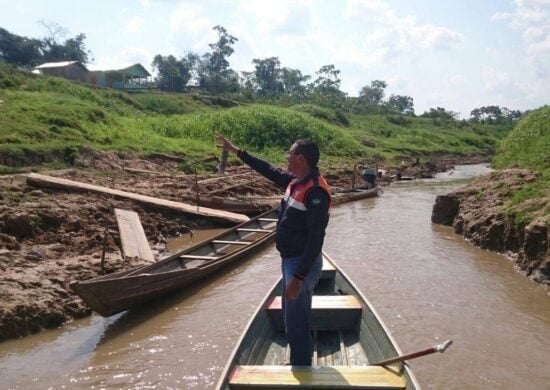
{"type": "Point", "coordinates": [132, 78]}
{"type": "Point", "coordinates": [72, 70]}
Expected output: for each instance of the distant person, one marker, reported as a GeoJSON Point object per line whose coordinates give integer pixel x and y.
{"type": "Point", "coordinates": [302, 220]}
{"type": "Point", "coordinates": [369, 176]}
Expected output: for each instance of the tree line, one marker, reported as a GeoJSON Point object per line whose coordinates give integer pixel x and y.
{"type": "Point", "coordinates": [270, 81]}
{"type": "Point", "coordinates": [30, 52]}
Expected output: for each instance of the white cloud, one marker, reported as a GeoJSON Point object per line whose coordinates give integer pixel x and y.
{"type": "Point", "coordinates": [134, 25]}
{"type": "Point", "coordinates": [495, 80]}
{"type": "Point", "coordinates": [436, 37]}
{"type": "Point", "coordinates": [189, 18]}
{"type": "Point", "coordinates": [532, 17]}
{"type": "Point", "coordinates": [127, 57]}
{"type": "Point", "coordinates": [400, 33]}
{"type": "Point", "coordinates": [456, 79]}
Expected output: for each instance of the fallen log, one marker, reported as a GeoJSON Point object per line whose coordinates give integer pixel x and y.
{"type": "Point", "coordinates": [135, 170]}
{"type": "Point", "coordinates": [168, 157]}
{"type": "Point", "coordinates": [38, 180]}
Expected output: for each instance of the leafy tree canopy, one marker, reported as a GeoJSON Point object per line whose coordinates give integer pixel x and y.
{"type": "Point", "coordinates": [402, 104]}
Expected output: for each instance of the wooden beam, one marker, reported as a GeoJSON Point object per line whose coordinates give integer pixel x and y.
{"type": "Point", "coordinates": [54, 182]}
{"type": "Point", "coordinates": [231, 242]}
{"type": "Point", "coordinates": [254, 230]}
{"type": "Point", "coordinates": [132, 237]}
{"type": "Point", "coordinates": [223, 161]}
{"type": "Point", "coordinates": [196, 257]}
{"type": "Point", "coordinates": [213, 179]}
{"type": "Point", "coordinates": [233, 186]}
{"type": "Point", "coordinates": [319, 377]}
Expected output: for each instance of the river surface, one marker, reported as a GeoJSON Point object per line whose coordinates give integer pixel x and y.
{"type": "Point", "coordinates": [427, 283]}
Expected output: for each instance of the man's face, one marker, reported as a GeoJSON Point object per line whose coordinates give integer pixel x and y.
{"type": "Point", "coordinates": [295, 161]}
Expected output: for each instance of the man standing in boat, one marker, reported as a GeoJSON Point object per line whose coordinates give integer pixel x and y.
{"type": "Point", "coordinates": [303, 218]}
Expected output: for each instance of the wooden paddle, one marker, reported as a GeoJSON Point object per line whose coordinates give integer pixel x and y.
{"type": "Point", "coordinates": [436, 348]}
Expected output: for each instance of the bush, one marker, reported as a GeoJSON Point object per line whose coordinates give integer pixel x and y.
{"type": "Point", "coordinates": [399, 120]}
{"type": "Point", "coordinates": [336, 117]}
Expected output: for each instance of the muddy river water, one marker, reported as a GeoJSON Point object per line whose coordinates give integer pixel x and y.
{"type": "Point", "coordinates": [427, 283]}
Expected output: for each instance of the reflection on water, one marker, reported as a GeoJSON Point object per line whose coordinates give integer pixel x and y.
{"type": "Point", "coordinates": [427, 283]}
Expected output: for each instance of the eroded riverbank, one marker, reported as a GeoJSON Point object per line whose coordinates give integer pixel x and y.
{"type": "Point", "coordinates": [427, 283]}
{"type": "Point", "coordinates": [49, 238]}
{"type": "Point", "coordinates": [479, 212]}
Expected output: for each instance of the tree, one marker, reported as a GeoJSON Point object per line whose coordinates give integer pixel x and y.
{"type": "Point", "coordinates": [325, 90]}
{"type": "Point", "coordinates": [374, 93]}
{"type": "Point", "coordinates": [494, 114]}
{"type": "Point", "coordinates": [214, 74]}
{"type": "Point", "coordinates": [440, 113]}
{"type": "Point", "coordinates": [402, 104]}
{"type": "Point", "coordinates": [72, 49]}
{"type": "Point", "coordinates": [293, 82]}
{"type": "Point", "coordinates": [19, 50]}
{"type": "Point", "coordinates": [268, 76]}
{"type": "Point", "coordinates": [173, 75]}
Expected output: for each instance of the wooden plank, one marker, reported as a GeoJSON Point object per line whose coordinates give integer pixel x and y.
{"type": "Point", "coordinates": [54, 182]}
{"type": "Point", "coordinates": [335, 377]}
{"type": "Point", "coordinates": [328, 312]}
{"type": "Point", "coordinates": [199, 257]}
{"type": "Point", "coordinates": [231, 242]}
{"type": "Point", "coordinates": [342, 348]}
{"type": "Point", "coordinates": [133, 239]}
{"type": "Point", "coordinates": [213, 179]}
{"type": "Point", "coordinates": [324, 302]}
{"type": "Point", "coordinates": [255, 230]}
{"type": "Point", "coordinates": [245, 183]}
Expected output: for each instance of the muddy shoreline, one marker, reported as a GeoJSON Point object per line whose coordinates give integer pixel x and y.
{"type": "Point", "coordinates": [478, 212]}
{"type": "Point", "coordinates": [49, 238]}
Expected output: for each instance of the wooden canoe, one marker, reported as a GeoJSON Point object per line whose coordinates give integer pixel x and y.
{"type": "Point", "coordinates": [231, 204]}
{"type": "Point", "coordinates": [116, 292]}
{"type": "Point", "coordinates": [348, 336]}
{"type": "Point", "coordinates": [348, 195]}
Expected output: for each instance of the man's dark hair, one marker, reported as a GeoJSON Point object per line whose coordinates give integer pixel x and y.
{"type": "Point", "coordinates": [309, 150]}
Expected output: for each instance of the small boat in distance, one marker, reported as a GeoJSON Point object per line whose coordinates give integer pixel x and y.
{"type": "Point", "coordinates": [349, 338]}
{"type": "Point", "coordinates": [350, 194]}
{"type": "Point", "coordinates": [119, 291]}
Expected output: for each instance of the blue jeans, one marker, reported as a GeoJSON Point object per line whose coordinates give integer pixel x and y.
{"type": "Point", "coordinates": [297, 312]}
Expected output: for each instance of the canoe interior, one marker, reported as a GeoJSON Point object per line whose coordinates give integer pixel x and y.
{"type": "Point", "coordinates": [110, 294]}
{"type": "Point", "coordinates": [359, 343]}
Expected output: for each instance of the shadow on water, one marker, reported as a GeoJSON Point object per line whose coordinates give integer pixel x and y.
{"type": "Point", "coordinates": [164, 306]}
{"type": "Point", "coordinates": [132, 318]}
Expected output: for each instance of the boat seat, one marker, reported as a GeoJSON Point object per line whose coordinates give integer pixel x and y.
{"type": "Point", "coordinates": [316, 377]}
{"type": "Point", "coordinates": [328, 312]}
{"type": "Point", "coordinates": [231, 242]}
{"type": "Point", "coordinates": [328, 271]}
{"type": "Point", "coordinates": [268, 219]}
{"type": "Point", "coordinates": [255, 230]}
{"type": "Point", "coordinates": [196, 257]}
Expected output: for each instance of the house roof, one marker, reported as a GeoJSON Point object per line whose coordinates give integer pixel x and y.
{"type": "Point", "coordinates": [61, 64]}
{"type": "Point", "coordinates": [135, 70]}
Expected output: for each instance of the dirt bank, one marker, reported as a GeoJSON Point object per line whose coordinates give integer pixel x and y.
{"type": "Point", "coordinates": [479, 213]}
{"type": "Point", "coordinates": [49, 238]}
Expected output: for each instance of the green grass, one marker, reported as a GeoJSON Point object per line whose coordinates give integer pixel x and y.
{"type": "Point", "coordinates": [421, 137]}
{"type": "Point", "coordinates": [48, 115]}
{"type": "Point", "coordinates": [528, 146]}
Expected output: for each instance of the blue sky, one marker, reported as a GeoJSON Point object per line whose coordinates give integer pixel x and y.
{"type": "Point", "coordinates": [456, 54]}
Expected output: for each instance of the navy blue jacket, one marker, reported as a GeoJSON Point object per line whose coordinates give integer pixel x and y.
{"type": "Point", "coordinates": [299, 232]}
